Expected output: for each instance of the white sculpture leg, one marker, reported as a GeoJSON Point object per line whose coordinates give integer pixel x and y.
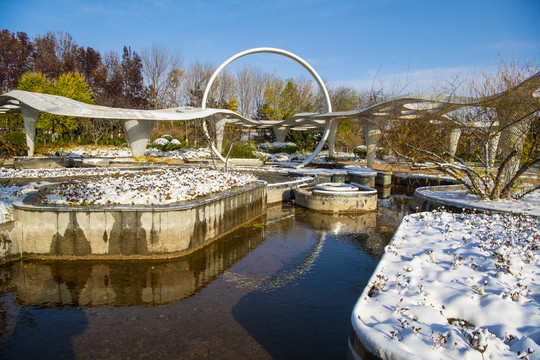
{"type": "Point", "coordinates": [30, 116]}
{"type": "Point", "coordinates": [332, 138]}
{"type": "Point", "coordinates": [280, 133]}
{"type": "Point", "coordinates": [371, 137]}
{"type": "Point", "coordinates": [320, 146]}
{"type": "Point", "coordinates": [219, 123]}
{"type": "Point", "coordinates": [138, 133]}
{"type": "Point", "coordinates": [453, 139]}
{"type": "Point", "coordinates": [512, 139]}
{"type": "Point", "coordinates": [493, 144]}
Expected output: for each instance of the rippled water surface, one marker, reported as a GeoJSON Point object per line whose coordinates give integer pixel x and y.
{"type": "Point", "coordinates": [280, 287]}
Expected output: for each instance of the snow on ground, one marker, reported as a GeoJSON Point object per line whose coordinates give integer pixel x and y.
{"type": "Point", "coordinates": [117, 151]}
{"type": "Point", "coordinates": [95, 151]}
{"type": "Point", "coordinates": [189, 154]}
{"type": "Point", "coordinates": [455, 286]}
{"type": "Point", "coordinates": [59, 172]}
{"type": "Point", "coordinates": [163, 186]}
{"type": "Point", "coordinates": [530, 204]}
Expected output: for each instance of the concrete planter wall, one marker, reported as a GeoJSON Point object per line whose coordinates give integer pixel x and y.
{"type": "Point", "coordinates": [330, 201]}
{"type": "Point", "coordinates": [362, 178]}
{"type": "Point", "coordinates": [134, 231]}
{"type": "Point", "coordinates": [383, 178]}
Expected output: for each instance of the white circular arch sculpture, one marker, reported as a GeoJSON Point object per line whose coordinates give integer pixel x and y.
{"type": "Point", "coordinates": [290, 55]}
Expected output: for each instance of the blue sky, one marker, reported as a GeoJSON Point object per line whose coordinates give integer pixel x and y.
{"type": "Point", "coordinates": [347, 42]}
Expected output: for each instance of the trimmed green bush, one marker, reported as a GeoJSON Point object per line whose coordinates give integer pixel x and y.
{"type": "Point", "coordinates": [360, 152]}
{"type": "Point", "coordinates": [240, 150]}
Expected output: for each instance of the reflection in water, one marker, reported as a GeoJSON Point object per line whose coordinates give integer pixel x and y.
{"type": "Point", "coordinates": [281, 278]}
{"type": "Point", "coordinates": [281, 287]}
{"type": "Point", "coordinates": [123, 283]}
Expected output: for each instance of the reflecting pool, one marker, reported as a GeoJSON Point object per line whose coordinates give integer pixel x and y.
{"type": "Point", "coordinates": [281, 287]}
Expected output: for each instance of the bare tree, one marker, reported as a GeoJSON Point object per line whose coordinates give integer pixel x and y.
{"type": "Point", "coordinates": [251, 83]}
{"type": "Point", "coordinates": [196, 77]}
{"type": "Point", "coordinates": [162, 73]}
{"type": "Point", "coordinates": [224, 89]}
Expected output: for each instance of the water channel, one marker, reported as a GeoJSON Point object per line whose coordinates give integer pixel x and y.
{"type": "Point", "coordinates": [280, 287]}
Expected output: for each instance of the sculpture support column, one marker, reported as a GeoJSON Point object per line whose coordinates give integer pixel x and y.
{"type": "Point", "coordinates": [453, 139]}
{"type": "Point", "coordinates": [332, 138]}
{"type": "Point", "coordinates": [138, 133]}
{"type": "Point", "coordinates": [493, 144]}
{"type": "Point", "coordinates": [281, 133]}
{"type": "Point", "coordinates": [219, 124]}
{"type": "Point", "coordinates": [371, 137]}
{"type": "Point", "coordinates": [30, 116]}
{"type": "Point", "coordinates": [512, 138]}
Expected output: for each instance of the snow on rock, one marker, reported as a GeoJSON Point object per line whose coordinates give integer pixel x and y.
{"type": "Point", "coordinates": [161, 141]}
{"type": "Point", "coordinates": [455, 286]}
{"type": "Point", "coordinates": [9, 194]}
{"type": "Point", "coordinates": [163, 186]}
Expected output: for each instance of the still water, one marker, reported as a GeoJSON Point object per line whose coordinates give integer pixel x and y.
{"type": "Point", "coordinates": [280, 287]}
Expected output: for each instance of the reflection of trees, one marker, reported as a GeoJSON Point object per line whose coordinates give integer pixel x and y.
{"type": "Point", "coordinates": [123, 283]}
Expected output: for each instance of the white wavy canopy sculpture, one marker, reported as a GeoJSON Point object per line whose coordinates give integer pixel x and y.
{"type": "Point", "coordinates": [139, 123]}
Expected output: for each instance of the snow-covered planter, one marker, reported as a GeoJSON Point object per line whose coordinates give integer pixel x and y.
{"type": "Point", "coordinates": [159, 187]}
{"type": "Point", "coordinates": [140, 214]}
{"type": "Point", "coordinates": [454, 286]}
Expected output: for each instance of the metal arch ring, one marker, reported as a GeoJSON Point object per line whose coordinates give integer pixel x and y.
{"type": "Point", "coordinates": [288, 54]}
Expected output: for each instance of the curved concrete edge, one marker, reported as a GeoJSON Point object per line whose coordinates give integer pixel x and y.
{"type": "Point", "coordinates": [363, 341]}
{"type": "Point", "coordinates": [132, 231]}
{"type": "Point", "coordinates": [285, 191]}
{"type": "Point", "coordinates": [364, 200]}
{"type": "Point", "coordinates": [425, 200]}
{"type": "Point", "coordinates": [422, 201]}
